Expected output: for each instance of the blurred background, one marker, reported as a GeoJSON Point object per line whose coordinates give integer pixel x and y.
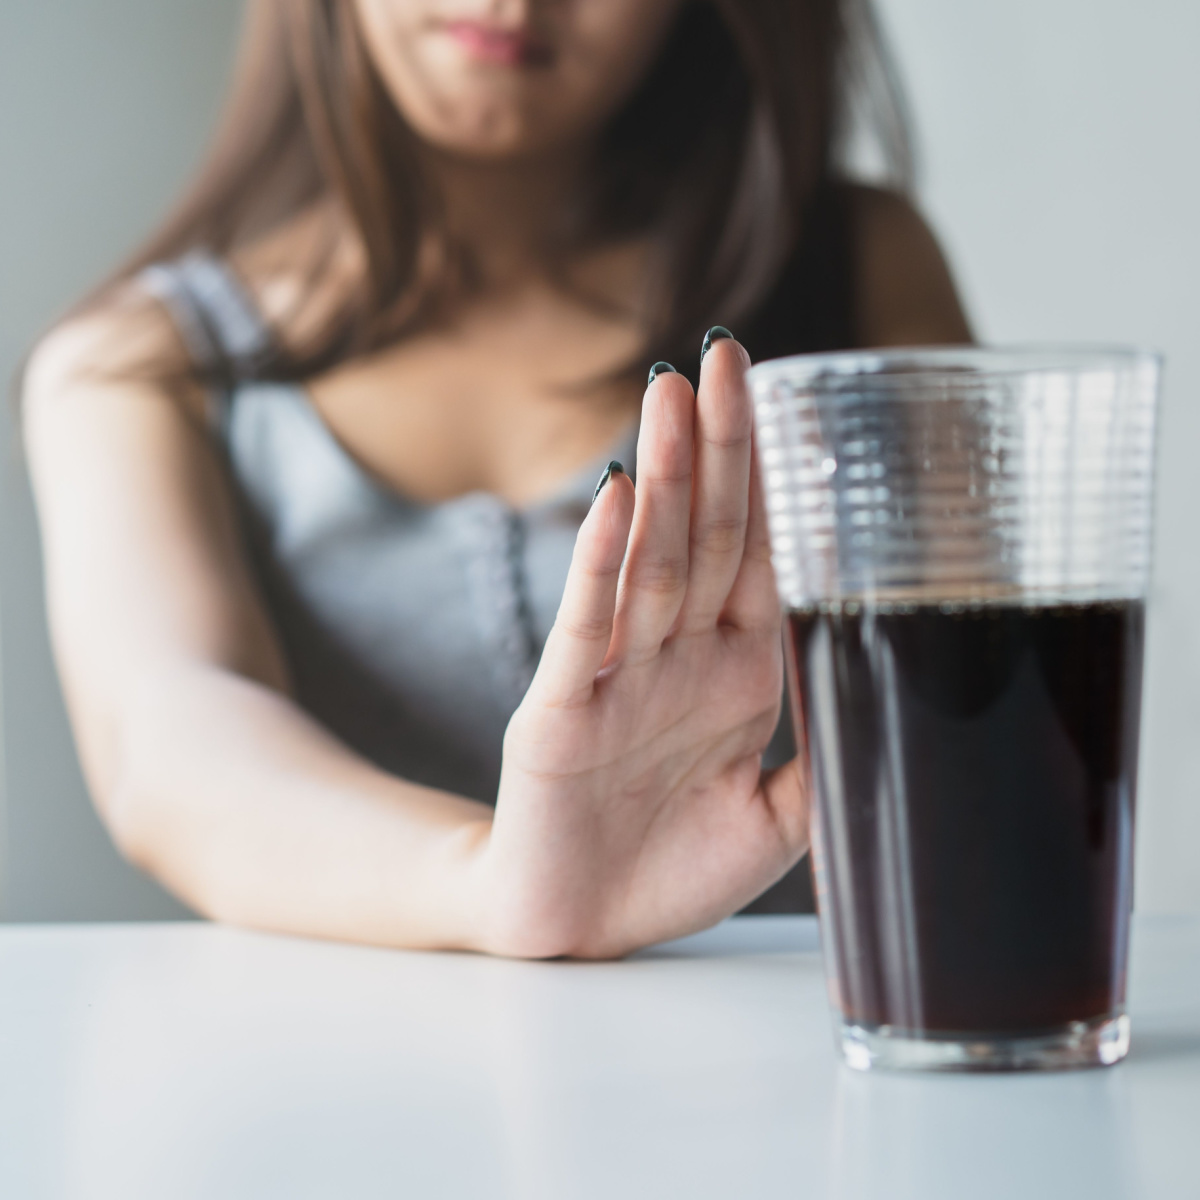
{"type": "Point", "coordinates": [1059, 166]}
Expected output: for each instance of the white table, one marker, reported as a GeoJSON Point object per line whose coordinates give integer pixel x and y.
{"type": "Point", "coordinates": [179, 1062]}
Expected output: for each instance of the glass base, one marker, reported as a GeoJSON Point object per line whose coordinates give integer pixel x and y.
{"type": "Point", "coordinates": [1098, 1043]}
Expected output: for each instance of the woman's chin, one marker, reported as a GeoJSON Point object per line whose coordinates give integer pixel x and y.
{"type": "Point", "coordinates": [491, 138]}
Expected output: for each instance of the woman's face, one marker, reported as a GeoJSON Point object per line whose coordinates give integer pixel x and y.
{"type": "Point", "coordinates": [509, 78]}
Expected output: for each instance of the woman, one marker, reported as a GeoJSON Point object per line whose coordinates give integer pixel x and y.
{"type": "Point", "coordinates": [312, 469]}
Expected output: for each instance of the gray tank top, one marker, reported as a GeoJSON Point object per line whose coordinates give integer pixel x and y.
{"type": "Point", "coordinates": [411, 630]}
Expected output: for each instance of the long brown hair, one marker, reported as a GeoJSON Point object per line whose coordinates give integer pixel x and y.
{"type": "Point", "coordinates": [715, 157]}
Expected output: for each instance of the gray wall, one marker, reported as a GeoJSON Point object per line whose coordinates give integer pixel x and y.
{"type": "Point", "coordinates": [1061, 172]}
{"type": "Point", "coordinates": [104, 105]}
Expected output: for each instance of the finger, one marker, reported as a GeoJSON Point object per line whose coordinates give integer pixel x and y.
{"type": "Point", "coordinates": [654, 579]}
{"type": "Point", "coordinates": [753, 601]}
{"type": "Point", "coordinates": [721, 488]}
{"type": "Point", "coordinates": [579, 641]}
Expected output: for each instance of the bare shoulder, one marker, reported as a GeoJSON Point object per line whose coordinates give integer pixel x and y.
{"type": "Point", "coordinates": [122, 345]}
{"type": "Point", "coordinates": [906, 291]}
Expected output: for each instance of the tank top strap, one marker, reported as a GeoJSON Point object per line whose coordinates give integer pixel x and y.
{"type": "Point", "coordinates": [221, 328]}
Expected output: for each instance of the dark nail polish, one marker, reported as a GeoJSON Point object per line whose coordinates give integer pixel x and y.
{"type": "Point", "coordinates": [715, 334]}
{"type": "Point", "coordinates": [613, 468]}
{"type": "Point", "coordinates": [660, 369]}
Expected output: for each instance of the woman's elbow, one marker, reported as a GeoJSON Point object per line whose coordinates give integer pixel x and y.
{"type": "Point", "coordinates": [142, 802]}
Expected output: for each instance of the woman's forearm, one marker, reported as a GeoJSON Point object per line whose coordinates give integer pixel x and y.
{"type": "Point", "coordinates": [252, 813]}
{"type": "Point", "coordinates": [207, 775]}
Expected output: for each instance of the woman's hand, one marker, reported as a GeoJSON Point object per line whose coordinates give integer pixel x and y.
{"type": "Point", "coordinates": [632, 806]}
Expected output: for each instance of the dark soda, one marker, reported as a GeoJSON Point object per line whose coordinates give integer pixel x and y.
{"type": "Point", "coordinates": [974, 768]}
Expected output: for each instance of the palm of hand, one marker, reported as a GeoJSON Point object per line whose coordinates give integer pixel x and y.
{"type": "Point", "coordinates": [632, 807]}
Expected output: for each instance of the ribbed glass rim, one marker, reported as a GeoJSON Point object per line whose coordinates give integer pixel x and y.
{"type": "Point", "coordinates": [981, 361]}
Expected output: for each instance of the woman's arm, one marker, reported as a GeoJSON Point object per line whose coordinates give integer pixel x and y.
{"type": "Point", "coordinates": [203, 769]}
{"type": "Point", "coordinates": [632, 807]}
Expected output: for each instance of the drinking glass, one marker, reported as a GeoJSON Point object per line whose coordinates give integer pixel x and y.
{"type": "Point", "coordinates": [961, 539]}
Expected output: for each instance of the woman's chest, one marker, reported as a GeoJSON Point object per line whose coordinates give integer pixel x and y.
{"type": "Point", "coordinates": [411, 630]}
{"type": "Point", "coordinates": [513, 397]}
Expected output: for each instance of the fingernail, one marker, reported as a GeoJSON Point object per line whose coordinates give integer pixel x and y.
{"type": "Point", "coordinates": [613, 468]}
{"type": "Point", "coordinates": [715, 334]}
{"type": "Point", "coordinates": [660, 369]}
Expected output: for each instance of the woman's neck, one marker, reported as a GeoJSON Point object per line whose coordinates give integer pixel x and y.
{"type": "Point", "coordinates": [504, 213]}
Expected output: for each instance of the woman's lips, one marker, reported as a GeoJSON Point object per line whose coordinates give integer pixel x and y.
{"type": "Point", "coordinates": [496, 44]}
